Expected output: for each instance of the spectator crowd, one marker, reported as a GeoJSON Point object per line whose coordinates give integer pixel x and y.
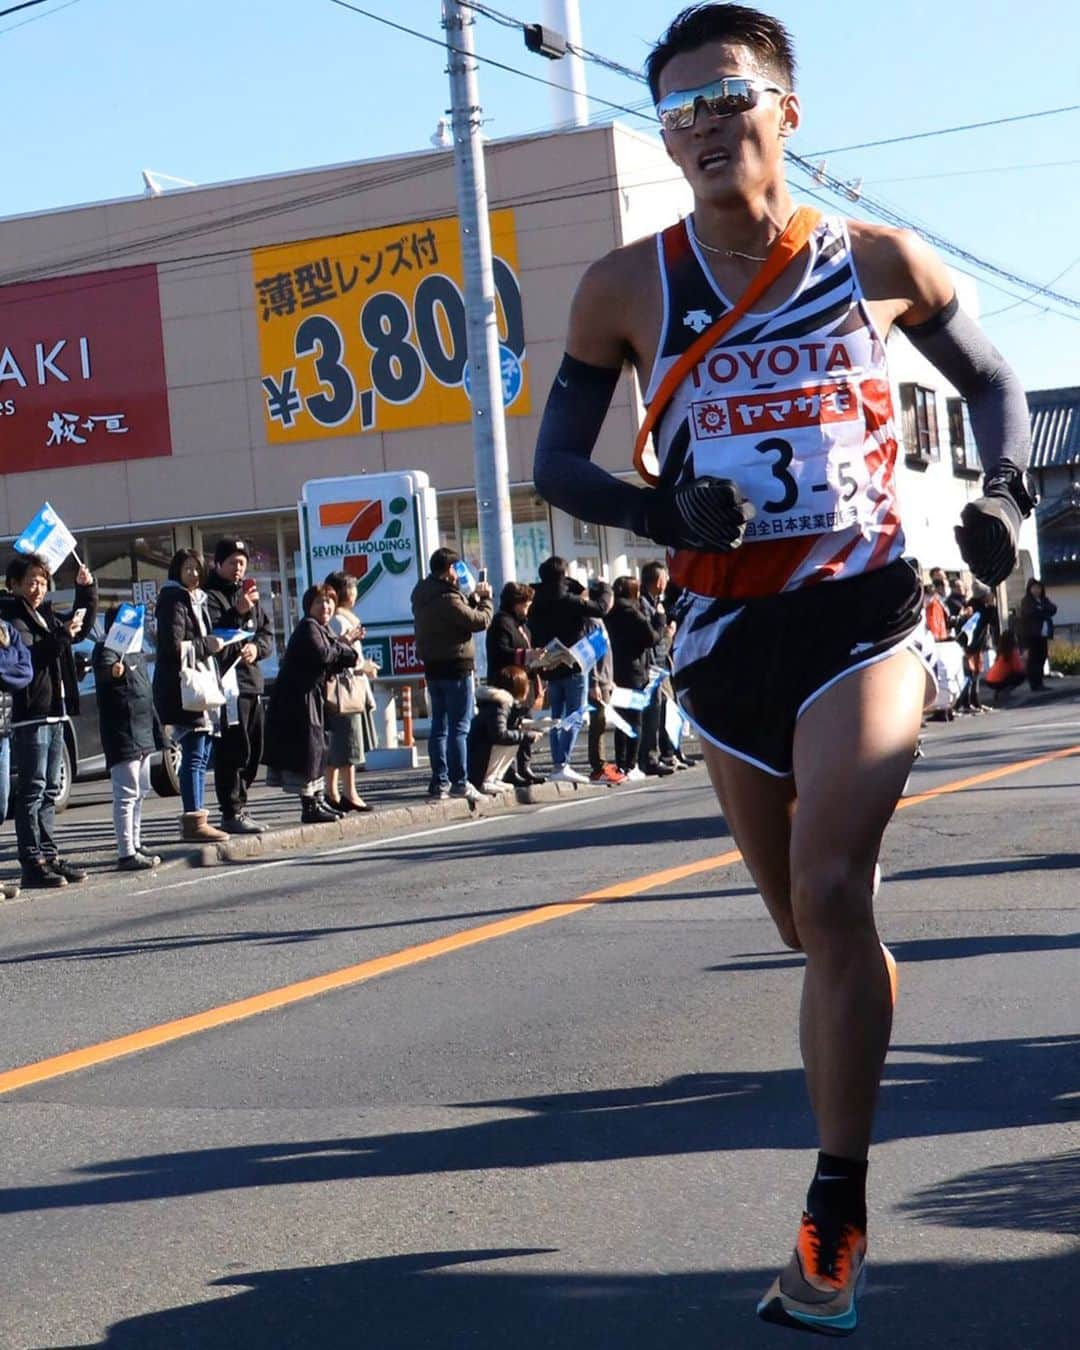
{"type": "Point", "coordinates": [559, 658]}
{"type": "Point", "coordinates": [540, 678]}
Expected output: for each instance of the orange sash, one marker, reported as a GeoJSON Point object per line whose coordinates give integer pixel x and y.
{"type": "Point", "coordinates": [793, 240]}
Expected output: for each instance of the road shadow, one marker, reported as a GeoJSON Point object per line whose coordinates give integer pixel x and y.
{"type": "Point", "coordinates": [928, 1090]}
{"type": "Point", "coordinates": [990, 867]}
{"type": "Point", "coordinates": [919, 949]}
{"type": "Point", "coordinates": [456, 1300]}
{"type": "Point", "coordinates": [1039, 1195]}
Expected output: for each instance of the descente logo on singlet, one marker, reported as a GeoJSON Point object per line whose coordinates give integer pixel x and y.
{"type": "Point", "coordinates": [782, 360]}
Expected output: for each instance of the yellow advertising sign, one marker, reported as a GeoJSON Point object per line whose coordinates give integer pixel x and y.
{"type": "Point", "coordinates": [366, 331]}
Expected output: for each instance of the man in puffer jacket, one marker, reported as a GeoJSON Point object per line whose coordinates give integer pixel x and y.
{"type": "Point", "coordinates": [445, 623]}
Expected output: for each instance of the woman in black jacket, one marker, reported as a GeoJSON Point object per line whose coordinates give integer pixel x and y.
{"type": "Point", "coordinates": [1036, 629]}
{"type": "Point", "coordinates": [509, 643]}
{"type": "Point", "coordinates": [295, 720]}
{"type": "Point", "coordinates": [41, 709]}
{"type": "Point", "coordinates": [183, 627]}
{"type": "Point", "coordinates": [632, 638]}
{"type": "Point", "coordinates": [130, 734]}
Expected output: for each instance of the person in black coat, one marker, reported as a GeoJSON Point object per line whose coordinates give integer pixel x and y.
{"type": "Point", "coordinates": [562, 610]}
{"type": "Point", "coordinates": [1036, 629]}
{"type": "Point", "coordinates": [40, 710]}
{"type": "Point", "coordinates": [632, 639]}
{"type": "Point", "coordinates": [16, 672]}
{"type": "Point", "coordinates": [130, 734]}
{"type": "Point", "coordinates": [183, 628]}
{"type": "Point", "coordinates": [509, 643]}
{"type": "Point", "coordinates": [232, 599]}
{"type": "Point", "coordinates": [501, 706]}
{"type": "Point", "coordinates": [295, 720]}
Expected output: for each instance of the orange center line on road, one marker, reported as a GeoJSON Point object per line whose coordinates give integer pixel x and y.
{"type": "Point", "coordinates": [56, 1066]}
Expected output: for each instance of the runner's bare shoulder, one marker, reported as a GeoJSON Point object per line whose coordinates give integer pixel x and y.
{"type": "Point", "coordinates": [616, 307]}
{"type": "Point", "coordinates": [901, 275]}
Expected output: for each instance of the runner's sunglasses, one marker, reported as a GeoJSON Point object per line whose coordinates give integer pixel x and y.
{"type": "Point", "coordinates": [722, 98]}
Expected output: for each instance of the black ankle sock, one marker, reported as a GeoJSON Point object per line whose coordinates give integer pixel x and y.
{"type": "Point", "coordinates": [838, 1191]}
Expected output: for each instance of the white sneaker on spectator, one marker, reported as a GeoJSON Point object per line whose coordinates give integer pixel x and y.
{"type": "Point", "coordinates": [493, 788]}
{"type": "Point", "coordinates": [465, 790]}
{"type": "Point", "coordinates": [565, 774]}
{"type": "Point", "coordinates": [635, 775]}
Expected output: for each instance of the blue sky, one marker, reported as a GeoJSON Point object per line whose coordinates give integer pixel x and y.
{"type": "Point", "coordinates": [93, 91]}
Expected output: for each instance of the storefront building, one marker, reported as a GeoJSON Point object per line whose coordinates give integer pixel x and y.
{"type": "Point", "coordinates": [174, 368]}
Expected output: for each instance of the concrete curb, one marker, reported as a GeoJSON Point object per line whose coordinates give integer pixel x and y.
{"type": "Point", "coordinates": [289, 838]}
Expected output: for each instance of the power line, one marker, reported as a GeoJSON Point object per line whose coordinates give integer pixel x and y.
{"type": "Point", "coordinates": [947, 131]}
{"type": "Point", "coordinates": [14, 9]}
{"type": "Point", "coordinates": [1027, 300]}
{"type": "Point", "coordinates": [485, 60]}
{"type": "Point", "coordinates": [37, 18]}
{"type": "Point", "coordinates": [975, 173]}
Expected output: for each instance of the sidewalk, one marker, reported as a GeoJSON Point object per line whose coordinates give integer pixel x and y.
{"type": "Point", "coordinates": [399, 798]}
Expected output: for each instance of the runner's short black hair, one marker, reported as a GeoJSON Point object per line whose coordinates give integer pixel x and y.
{"type": "Point", "coordinates": [765, 37]}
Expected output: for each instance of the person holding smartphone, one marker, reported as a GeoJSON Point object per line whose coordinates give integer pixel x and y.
{"type": "Point", "coordinates": [40, 710]}
{"type": "Point", "coordinates": [233, 601]}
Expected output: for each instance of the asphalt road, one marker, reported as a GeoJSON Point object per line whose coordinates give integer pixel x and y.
{"type": "Point", "coordinates": [586, 1132]}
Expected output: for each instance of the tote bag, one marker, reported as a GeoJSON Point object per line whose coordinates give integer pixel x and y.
{"type": "Point", "coordinates": [347, 693]}
{"type": "Point", "coordinates": [200, 685]}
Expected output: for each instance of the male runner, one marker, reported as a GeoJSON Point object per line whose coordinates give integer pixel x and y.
{"type": "Point", "coordinates": [774, 492]}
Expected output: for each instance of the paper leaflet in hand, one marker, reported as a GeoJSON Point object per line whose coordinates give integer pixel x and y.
{"type": "Point", "coordinates": [228, 635]}
{"type": "Point", "coordinates": [675, 722]}
{"type": "Point", "coordinates": [590, 649]}
{"type": "Point", "coordinates": [48, 537]}
{"type": "Point", "coordinates": [466, 580]}
{"type": "Point", "coordinates": [126, 630]}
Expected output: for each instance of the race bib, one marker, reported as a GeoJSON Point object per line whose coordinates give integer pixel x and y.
{"type": "Point", "coordinates": [797, 454]}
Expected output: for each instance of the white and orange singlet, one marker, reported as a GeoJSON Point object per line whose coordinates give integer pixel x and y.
{"type": "Point", "coordinates": [794, 406]}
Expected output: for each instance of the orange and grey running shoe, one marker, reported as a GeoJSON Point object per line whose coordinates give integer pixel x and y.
{"type": "Point", "coordinates": [817, 1289]}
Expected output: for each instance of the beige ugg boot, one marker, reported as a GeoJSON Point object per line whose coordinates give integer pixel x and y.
{"type": "Point", "coordinates": [196, 829]}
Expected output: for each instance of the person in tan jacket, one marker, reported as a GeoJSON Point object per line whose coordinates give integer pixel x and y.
{"type": "Point", "coordinates": [446, 619]}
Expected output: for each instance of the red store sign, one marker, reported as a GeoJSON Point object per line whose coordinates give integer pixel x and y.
{"type": "Point", "coordinates": [82, 371]}
{"type": "Point", "coordinates": [403, 657]}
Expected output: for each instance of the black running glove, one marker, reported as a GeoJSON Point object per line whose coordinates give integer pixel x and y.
{"type": "Point", "coordinates": [708, 515]}
{"type": "Point", "coordinates": [989, 528]}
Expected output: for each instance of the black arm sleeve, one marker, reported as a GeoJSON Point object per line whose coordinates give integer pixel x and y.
{"type": "Point", "coordinates": [955, 344]}
{"type": "Point", "coordinates": [562, 470]}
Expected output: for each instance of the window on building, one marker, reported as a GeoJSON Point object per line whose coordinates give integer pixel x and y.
{"type": "Point", "coordinates": [919, 424]}
{"type": "Point", "coordinates": [965, 458]}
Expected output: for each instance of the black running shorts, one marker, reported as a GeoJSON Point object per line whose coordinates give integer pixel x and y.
{"type": "Point", "coordinates": [745, 670]}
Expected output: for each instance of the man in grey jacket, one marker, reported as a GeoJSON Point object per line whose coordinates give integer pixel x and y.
{"type": "Point", "coordinates": [446, 620]}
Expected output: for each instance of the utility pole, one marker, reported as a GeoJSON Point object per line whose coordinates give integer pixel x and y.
{"type": "Point", "coordinates": [485, 372]}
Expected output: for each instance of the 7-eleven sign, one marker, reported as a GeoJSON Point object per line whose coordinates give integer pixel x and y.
{"type": "Point", "coordinates": [373, 534]}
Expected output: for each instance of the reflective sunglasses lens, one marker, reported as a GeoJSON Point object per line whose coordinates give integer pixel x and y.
{"type": "Point", "coordinates": [724, 98]}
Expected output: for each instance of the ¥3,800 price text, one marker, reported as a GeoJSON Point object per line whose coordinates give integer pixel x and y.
{"type": "Point", "coordinates": [404, 348]}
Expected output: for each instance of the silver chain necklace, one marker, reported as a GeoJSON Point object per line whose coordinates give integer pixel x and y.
{"type": "Point", "coordinates": [730, 252]}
